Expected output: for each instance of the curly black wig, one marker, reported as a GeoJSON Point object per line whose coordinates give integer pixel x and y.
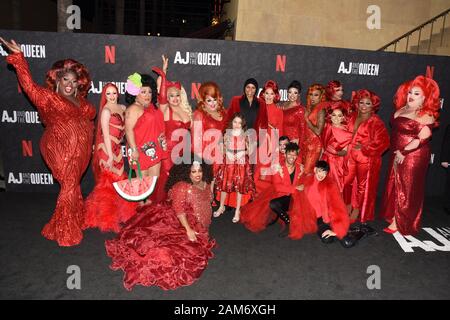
{"type": "Point", "coordinates": [181, 172]}
{"type": "Point", "coordinates": [147, 81]}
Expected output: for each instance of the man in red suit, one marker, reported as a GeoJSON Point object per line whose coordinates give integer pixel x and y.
{"type": "Point", "coordinates": [285, 182]}
{"type": "Point", "coordinates": [318, 207]}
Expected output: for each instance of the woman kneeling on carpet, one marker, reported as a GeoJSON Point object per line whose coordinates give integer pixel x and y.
{"type": "Point", "coordinates": [168, 245]}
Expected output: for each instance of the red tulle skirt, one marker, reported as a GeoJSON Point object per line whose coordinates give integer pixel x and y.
{"type": "Point", "coordinates": [104, 207]}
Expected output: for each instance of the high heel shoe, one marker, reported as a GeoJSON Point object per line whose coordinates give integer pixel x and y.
{"type": "Point", "coordinates": [236, 217]}
{"type": "Point", "coordinates": [390, 231]}
{"type": "Point", "coordinates": [219, 212]}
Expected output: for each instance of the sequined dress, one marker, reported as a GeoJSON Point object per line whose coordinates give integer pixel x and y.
{"type": "Point", "coordinates": [66, 147]}
{"type": "Point", "coordinates": [153, 248]}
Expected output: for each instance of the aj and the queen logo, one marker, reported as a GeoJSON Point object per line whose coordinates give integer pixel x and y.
{"type": "Point", "coordinates": [440, 235]}
{"type": "Point", "coordinates": [30, 178]}
{"type": "Point", "coordinates": [29, 51]}
{"type": "Point", "coordinates": [359, 68]}
{"type": "Point", "coordinates": [198, 58]}
{"type": "Point", "coordinates": [20, 117]}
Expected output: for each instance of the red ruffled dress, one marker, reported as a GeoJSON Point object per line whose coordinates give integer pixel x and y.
{"type": "Point", "coordinates": [176, 132]}
{"type": "Point", "coordinates": [149, 136]}
{"type": "Point", "coordinates": [104, 208]}
{"type": "Point", "coordinates": [235, 175]}
{"type": "Point", "coordinates": [66, 147]}
{"type": "Point", "coordinates": [405, 185]}
{"type": "Point", "coordinates": [153, 248]}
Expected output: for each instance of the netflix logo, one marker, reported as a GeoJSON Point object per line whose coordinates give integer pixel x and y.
{"type": "Point", "coordinates": [280, 64]}
{"type": "Point", "coordinates": [27, 148]}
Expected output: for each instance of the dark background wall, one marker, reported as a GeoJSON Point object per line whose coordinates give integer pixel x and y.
{"type": "Point", "coordinates": [238, 61]}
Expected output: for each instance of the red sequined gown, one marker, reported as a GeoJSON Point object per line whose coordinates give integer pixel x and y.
{"type": "Point", "coordinates": [294, 123]}
{"type": "Point", "coordinates": [311, 144]}
{"type": "Point", "coordinates": [361, 181]}
{"type": "Point", "coordinates": [205, 139]}
{"type": "Point", "coordinates": [175, 131]}
{"type": "Point", "coordinates": [104, 208]}
{"type": "Point", "coordinates": [405, 185]}
{"type": "Point", "coordinates": [66, 147]}
{"type": "Point", "coordinates": [235, 175]}
{"type": "Point", "coordinates": [148, 139]}
{"type": "Point", "coordinates": [153, 248]}
{"type": "Point", "coordinates": [335, 139]}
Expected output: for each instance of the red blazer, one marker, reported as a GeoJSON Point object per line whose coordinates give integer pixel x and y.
{"type": "Point", "coordinates": [303, 218]}
{"type": "Point", "coordinates": [261, 117]}
{"type": "Point", "coordinates": [282, 181]}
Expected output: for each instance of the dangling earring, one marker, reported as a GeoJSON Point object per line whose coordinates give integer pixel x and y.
{"type": "Point", "coordinates": [57, 87]}
{"type": "Point", "coordinates": [76, 92]}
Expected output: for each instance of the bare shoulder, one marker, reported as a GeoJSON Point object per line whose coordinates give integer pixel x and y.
{"type": "Point", "coordinates": [426, 119]}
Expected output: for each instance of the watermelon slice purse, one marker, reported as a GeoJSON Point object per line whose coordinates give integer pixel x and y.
{"type": "Point", "coordinates": [135, 189]}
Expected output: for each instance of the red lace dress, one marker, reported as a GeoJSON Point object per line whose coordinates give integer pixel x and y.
{"type": "Point", "coordinates": [235, 175]}
{"type": "Point", "coordinates": [153, 248]}
{"type": "Point", "coordinates": [334, 140]}
{"type": "Point", "coordinates": [311, 145]}
{"type": "Point", "coordinates": [104, 208]}
{"type": "Point", "coordinates": [176, 131]}
{"type": "Point", "coordinates": [149, 135]}
{"type": "Point", "coordinates": [66, 147]}
{"type": "Point", "coordinates": [405, 185]}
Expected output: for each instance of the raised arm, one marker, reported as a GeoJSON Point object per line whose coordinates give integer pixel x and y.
{"type": "Point", "coordinates": [163, 104]}
{"type": "Point", "coordinates": [39, 96]}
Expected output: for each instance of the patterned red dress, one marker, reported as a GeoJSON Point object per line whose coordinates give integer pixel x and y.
{"type": "Point", "coordinates": [405, 185]}
{"type": "Point", "coordinates": [104, 208]}
{"type": "Point", "coordinates": [294, 122]}
{"type": "Point", "coordinates": [312, 144]}
{"type": "Point", "coordinates": [235, 175]}
{"type": "Point", "coordinates": [66, 147]}
{"type": "Point", "coordinates": [149, 135]}
{"type": "Point", "coordinates": [153, 248]}
{"type": "Point", "coordinates": [175, 131]}
{"type": "Point", "coordinates": [335, 139]}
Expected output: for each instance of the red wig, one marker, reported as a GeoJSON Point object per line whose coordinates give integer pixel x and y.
{"type": "Point", "coordinates": [430, 90]}
{"type": "Point", "coordinates": [274, 86]}
{"type": "Point", "coordinates": [331, 88]}
{"type": "Point", "coordinates": [98, 129]}
{"type": "Point", "coordinates": [312, 88]}
{"type": "Point", "coordinates": [61, 67]}
{"type": "Point", "coordinates": [210, 89]}
{"type": "Point", "coordinates": [340, 105]}
{"type": "Point", "coordinates": [364, 93]}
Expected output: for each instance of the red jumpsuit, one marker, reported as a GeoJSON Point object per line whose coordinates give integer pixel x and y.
{"type": "Point", "coordinates": [311, 146]}
{"type": "Point", "coordinates": [66, 147]}
{"type": "Point", "coordinates": [360, 184]}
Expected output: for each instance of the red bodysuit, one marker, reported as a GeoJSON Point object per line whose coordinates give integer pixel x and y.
{"type": "Point", "coordinates": [66, 147]}
{"type": "Point", "coordinates": [104, 208]}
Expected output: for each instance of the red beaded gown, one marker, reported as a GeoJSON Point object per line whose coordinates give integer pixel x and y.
{"type": "Point", "coordinates": [153, 248]}
{"type": "Point", "coordinates": [104, 208]}
{"type": "Point", "coordinates": [176, 131]}
{"type": "Point", "coordinates": [294, 122]}
{"type": "Point", "coordinates": [335, 139]}
{"type": "Point", "coordinates": [66, 147]}
{"type": "Point", "coordinates": [405, 185]}
{"type": "Point", "coordinates": [311, 144]}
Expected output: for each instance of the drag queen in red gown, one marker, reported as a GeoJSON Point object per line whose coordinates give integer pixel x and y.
{"type": "Point", "coordinates": [370, 140]}
{"type": "Point", "coordinates": [168, 245]}
{"type": "Point", "coordinates": [294, 114]}
{"type": "Point", "coordinates": [417, 110]}
{"type": "Point", "coordinates": [174, 104]}
{"type": "Point", "coordinates": [335, 139]}
{"type": "Point", "coordinates": [210, 119]}
{"type": "Point", "coordinates": [234, 174]}
{"type": "Point", "coordinates": [334, 91]}
{"type": "Point", "coordinates": [66, 144]}
{"type": "Point", "coordinates": [104, 208]}
{"type": "Point", "coordinates": [311, 147]}
{"type": "Point", "coordinates": [272, 123]}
